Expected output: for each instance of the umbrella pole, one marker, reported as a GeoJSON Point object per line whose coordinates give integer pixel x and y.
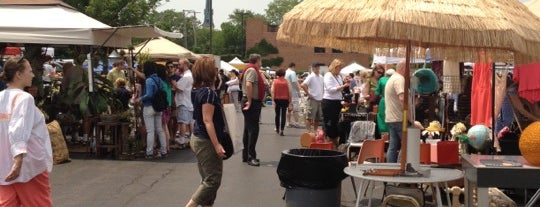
{"type": "Point", "coordinates": [407, 77]}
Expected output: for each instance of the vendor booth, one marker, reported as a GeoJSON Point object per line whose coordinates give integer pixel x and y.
{"type": "Point", "coordinates": [351, 68]}
{"type": "Point", "coordinates": [162, 48]}
{"type": "Point", "coordinates": [237, 63]}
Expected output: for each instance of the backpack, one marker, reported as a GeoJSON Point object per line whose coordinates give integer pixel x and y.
{"type": "Point", "coordinates": [159, 101]}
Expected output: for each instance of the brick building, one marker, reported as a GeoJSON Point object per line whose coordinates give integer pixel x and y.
{"type": "Point", "coordinates": [256, 30]}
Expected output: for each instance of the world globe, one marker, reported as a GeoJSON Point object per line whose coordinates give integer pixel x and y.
{"type": "Point", "coordinates": [478, 136]}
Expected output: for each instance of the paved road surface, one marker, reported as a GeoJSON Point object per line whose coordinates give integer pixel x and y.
{"type": "Point", "coordinates": [170, 182]}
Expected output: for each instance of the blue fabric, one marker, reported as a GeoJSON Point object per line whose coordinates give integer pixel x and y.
{"type": "Point", "coordinates": [150, 89]}
{"type": "Point", "coordinates": [200, 97]}
{"type": "Point", "coordinates": [395, 141]}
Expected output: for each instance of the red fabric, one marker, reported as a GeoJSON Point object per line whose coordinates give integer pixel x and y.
{"type": "Point", "coordinates": [36, 192]}
{"type": "Point", "coordinates": [281, 89]}
{"type": "Point", "coordinates": [481, 104]}
{"type": "Point", "coordinates": [528, 78]}
{"type": "Point", "coordinates": [261, 87]}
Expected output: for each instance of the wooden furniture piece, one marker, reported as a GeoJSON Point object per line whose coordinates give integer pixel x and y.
{"type": "Point", "coordinates": [110, 135]}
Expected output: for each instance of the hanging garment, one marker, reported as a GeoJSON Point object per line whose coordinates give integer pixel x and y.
{"type": "Point", "coordinates": [527, 78]}
{"type": "Point", "coordinates": [481, 104]}
{"type": "Point", "coordinates": [451, 78]}
{"type": "Point", "coordinates": [500, 90]}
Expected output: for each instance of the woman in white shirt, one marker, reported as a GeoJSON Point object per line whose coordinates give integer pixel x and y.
{"type": "Point", "coordinates": [331, 103]}
{"type": "Point", "coordinates": [25, 146]}
{"type": "Point", "coordinates": [234, 89]}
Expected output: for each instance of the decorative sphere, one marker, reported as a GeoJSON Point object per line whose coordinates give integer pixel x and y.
{"type": "Point", "coordinates": [478, 136]}
{"type": "Point", "coordinates": [529, 143]}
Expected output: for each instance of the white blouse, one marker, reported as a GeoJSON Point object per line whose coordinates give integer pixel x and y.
{"type": "Point", "coordinates": [23, 130]}
{"type": "Point", "coordinates": [331, 83]}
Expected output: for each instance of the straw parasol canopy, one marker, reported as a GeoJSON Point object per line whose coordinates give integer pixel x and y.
{"type": "Point", "coordinates": [452, 29]}
{"type": "Point", "coordinates": [465, 30]}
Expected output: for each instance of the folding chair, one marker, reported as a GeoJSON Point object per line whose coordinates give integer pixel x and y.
{"type": "Point", "coordinates": [360, 131]}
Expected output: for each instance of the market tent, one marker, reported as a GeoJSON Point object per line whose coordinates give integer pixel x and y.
{"type": "Point", "coordinates": [226, 66]}
{"type": "Point", "coordinates": [377, 59]}
{"type": "Point", "coordinates": [237, 63]}
{"type": "Point", "coordinates": [236, 60]}
{"type": "Point", "coordinates": [351, 68]}
{"type": "Point", "coordinates": [56, 23]}
{"type": "Point", "coordinates": [162, 48]}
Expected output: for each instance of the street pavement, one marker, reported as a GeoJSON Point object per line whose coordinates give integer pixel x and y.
{"type": "Point", "coordinates": [88, 182]}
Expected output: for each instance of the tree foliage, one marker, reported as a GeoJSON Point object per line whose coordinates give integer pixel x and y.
{"type": "Point", "coordinates": [171, 20]}
{"type": "Point", "coordinates": [230, 41]}
{"type": "Point", "coordinates": [116, 12]}
{"type": "Point", "coordinates": [272, 62]}
{"type": "Point", "coordinates": [263, 48]}
{"type": "Point", "coordinates": [277, 8]}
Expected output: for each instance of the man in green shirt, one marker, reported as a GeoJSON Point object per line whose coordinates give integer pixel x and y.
{"type": "Point", "coordinates": [116, 72]}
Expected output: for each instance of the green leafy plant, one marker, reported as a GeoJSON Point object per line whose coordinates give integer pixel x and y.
{"type": "Point", "coordinates": [102, 100]}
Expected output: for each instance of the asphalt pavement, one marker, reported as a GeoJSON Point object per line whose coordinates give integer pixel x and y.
{"type": "Point", "coordinates": [87, 181]}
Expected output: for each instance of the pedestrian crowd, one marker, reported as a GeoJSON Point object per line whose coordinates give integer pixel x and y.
{"type": "Point", "coordinates": [194, 116]}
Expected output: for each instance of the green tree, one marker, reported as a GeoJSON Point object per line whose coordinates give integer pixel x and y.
{"type": "Point", "coordinates": [80, 5]}
{"type": "Point", "coordinates": [121, 12]}
{"type": "Point", "coordinates": [171, 20]}
{"type": "Point", "coordinates": [277, 8]}
{"type": "Point", "coordinates": [231, 38]}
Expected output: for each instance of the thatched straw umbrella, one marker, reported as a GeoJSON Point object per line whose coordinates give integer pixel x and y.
{"type": "Point", "coordinates": [504, 30]}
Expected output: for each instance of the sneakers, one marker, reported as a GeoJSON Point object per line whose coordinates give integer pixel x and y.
{"type": "Point", "coordinates": [254, 162]}
{"type": "Point", "coordinates": [281, 134]}
{"type": "Point", "coordinates": [181, 140]}
{"type": "Point", "coordinates": [294, 125]}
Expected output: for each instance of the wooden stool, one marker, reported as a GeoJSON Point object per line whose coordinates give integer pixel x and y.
{"type": "Point", "coordinates": [112, 130]}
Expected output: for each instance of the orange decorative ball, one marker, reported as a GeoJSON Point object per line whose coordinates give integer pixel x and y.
{"type": "Point", "coordinates": [529, 143]}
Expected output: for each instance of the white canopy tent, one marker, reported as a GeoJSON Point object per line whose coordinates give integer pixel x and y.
{"type": "Point", "coordinates": [226, 66]}
{"type": "Point", "coordinates": [351, 68]}
{"type": "Point", "coordinates": [162, 48]}
{"type": "Point", "coordinates": [57, 23]}
{"type": "Point", "coordinates": [236, 60]}
{"type": "Point", "coordinates": [237, 63]}
{"type": "Point", "coordinates": [393, 60]}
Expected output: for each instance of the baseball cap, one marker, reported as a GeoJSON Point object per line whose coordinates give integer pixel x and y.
{"type": "Point", "coordinates": [317, 64]}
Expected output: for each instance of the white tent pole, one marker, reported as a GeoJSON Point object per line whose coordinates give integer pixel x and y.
{"type": "Point", "coordinates": [90, 71]}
